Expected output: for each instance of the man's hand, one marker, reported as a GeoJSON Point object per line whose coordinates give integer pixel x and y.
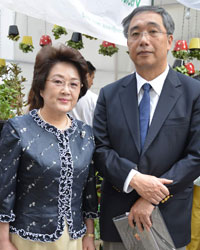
{"type": "Point", "coordinates": [140, 213]}
{"type": "Point", "coordinates": [149, 187]}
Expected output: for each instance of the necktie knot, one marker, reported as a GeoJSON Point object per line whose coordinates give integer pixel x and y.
{"type": "Point", "coordinates": [146, 87]}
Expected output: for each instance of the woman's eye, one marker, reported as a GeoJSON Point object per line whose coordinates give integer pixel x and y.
{"type": "Point", "coordinates": [74, 84]}
{"type": "Point", "coordinates": [58, 82]}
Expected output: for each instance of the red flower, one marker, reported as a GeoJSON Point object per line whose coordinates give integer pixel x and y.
{"type": "Point", "coordinates": [45, 40]}
{"type": "Point", "coordinates": [106, 44]}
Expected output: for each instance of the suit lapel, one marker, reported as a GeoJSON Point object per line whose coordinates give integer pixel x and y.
{"type": "Point", "coordinates": [129, 103]}
{"type": "Point", "coordinates": [170, 93]}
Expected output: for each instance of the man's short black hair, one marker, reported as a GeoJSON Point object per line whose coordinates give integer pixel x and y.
{"type": "Point", "coordinates": [91, 68]}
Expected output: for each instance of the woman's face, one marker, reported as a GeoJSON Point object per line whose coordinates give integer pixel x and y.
{"type": "Point", "coordinates": [62, 88]}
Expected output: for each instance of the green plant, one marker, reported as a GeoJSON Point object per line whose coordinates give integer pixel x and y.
{"type": "Point", "coordinates": [182, 69]}
{"type": "Point", "coordinates": [194, 53]}
{"type": "Point", "coordinates": [58, 31]}
{"type": "Point", "coordinates": [11, 95]}
{"type": "Point", "coordinates": [108, 51]}
{"type": "Point", "coordinates": [89, 37]}
{"type": "Point", "coordinates": [15, 38]}
{"type": "Point", "coordinates": [75, 45]}
{"type": "Point", "coordinates": [181, 54]}
{"type": "Point", "coordinates": [26, 47]}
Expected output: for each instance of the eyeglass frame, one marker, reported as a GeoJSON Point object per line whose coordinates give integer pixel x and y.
{"type": "Point", "coordinates": [64, 83]}
{"type": "Point", "coordinates": [147, 33]}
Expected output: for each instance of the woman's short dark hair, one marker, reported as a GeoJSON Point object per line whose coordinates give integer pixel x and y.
{"type": "Point", "coordinates": [166, 18]}
{"type": "Point", "coordinates": [46, 58]}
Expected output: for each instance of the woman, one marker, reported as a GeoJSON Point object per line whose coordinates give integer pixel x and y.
{"type": "Point", "coordinates": [47, 184]}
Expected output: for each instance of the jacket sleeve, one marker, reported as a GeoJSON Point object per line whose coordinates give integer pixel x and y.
{"type": "Point", "coordinates": [187, 169]}
{"type": "Point", "coordinates": [9, 162]}
{"type": "Point", "coordinates": [90, 201]}
{"type": "Point", "coordinates": [107, 161]}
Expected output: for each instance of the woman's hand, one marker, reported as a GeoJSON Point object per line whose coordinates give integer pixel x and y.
{"type": "Point", "coordinates": [88, 243]}
{"type": "Point", "coordinates": [7, 245]}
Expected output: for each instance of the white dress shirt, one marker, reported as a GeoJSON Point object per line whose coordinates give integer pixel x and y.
{"type": "Point", "coordinates": [155, 91]}
{"type": "Point", "coordinates": [84, 109]}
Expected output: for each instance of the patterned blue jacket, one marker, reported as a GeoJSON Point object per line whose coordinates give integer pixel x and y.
{"type": "Point", "coordinates": [46, 177]}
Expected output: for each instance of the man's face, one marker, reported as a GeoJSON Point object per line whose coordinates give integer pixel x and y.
{"type": "Point", "coordinates": [148, 50]}
{"type": "Point", "coordinates": [90, 78]}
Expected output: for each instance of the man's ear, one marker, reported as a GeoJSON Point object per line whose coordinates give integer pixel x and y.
{"type": "Point", "coordinates": [170, 41]}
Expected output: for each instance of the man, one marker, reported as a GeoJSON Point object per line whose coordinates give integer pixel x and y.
{"type": "Point", "coordinates": [84, 109]}
{"type": "Point", "coordinates": [143, 168]}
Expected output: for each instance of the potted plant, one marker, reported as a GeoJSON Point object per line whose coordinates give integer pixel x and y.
{"type": "Point", "coordinates": [107, 48]}
{"type": "Point", "coordinates": [27, 44]}
{"type": "Point", "coordinates": [11, 95]}
{"type": "Point", "coordinates": [180, 50]}
{"type": "Point", "coordinates": [76, 41]}
{"type": "Point", "coordinates": [58, 31]}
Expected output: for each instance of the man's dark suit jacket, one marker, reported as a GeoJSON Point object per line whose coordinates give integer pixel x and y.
{"type": "Point", "coordinates": [171, 149]}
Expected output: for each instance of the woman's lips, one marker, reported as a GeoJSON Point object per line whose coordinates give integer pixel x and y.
{"type": "Point", "coordinates": [63, 100]}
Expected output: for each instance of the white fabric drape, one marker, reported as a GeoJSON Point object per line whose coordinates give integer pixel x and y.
{"type": "Point", "coordinates": [97, 18]}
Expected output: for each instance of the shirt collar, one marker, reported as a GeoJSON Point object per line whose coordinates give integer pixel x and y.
{"type": "Point", "coordinates": [156, 84]}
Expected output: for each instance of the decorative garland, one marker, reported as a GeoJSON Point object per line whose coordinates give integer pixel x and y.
{"type": "Point", "coordinates": [89, 37]}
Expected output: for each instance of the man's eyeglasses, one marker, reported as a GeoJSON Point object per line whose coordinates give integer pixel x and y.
{"type": "Point", "coordinates": [72, 85]}
{"type": "Point", "coordinates": [135, 35]}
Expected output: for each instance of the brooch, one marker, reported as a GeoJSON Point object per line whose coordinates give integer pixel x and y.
{"type": "Point", "coordinates": [83, 134]}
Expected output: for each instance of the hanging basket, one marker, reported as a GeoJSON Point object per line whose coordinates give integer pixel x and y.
{"type": "Point", "coordinates": [76, 41]}
{"type": "Point", "coordinates": [194, 48]}
{"type": "Point", "coordinates": [108, 49]}
{"type": "Point", "coordinates": [27, 44]}
{"type": "Point", "coordinates": [13, 33]}
{"type": "Point", "coordinates": [45, 40]}
{"type": "Point", "coordinates": [58, 31]}
{"type": "Point", "coordinates": [180, 50]}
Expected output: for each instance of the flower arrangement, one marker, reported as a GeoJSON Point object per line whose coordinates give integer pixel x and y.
{"type": "Point", "coordinates": [108, 49]}
{"type": "Point", "coordinates": [180, 50]}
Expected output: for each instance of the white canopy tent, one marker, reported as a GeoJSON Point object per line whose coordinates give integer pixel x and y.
{"type": "Point", "coordinates": [100, 19]}
{"type": "Point", "coordinates": [194, 4]}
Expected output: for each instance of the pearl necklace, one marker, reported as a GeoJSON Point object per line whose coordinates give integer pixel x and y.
{"type": "Point", "coordinates": [66, 127]}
